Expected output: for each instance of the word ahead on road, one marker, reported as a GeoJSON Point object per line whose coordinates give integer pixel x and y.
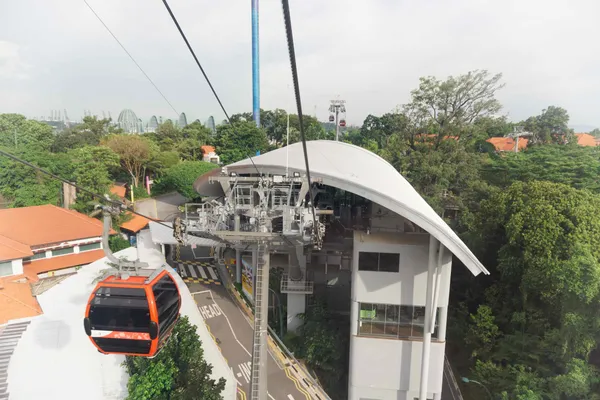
{"type": "Point", "coordinates": [210, 311]}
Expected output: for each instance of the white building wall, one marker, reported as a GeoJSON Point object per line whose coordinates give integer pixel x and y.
{"type": "Point", "coordinates": [387, 368]}
{"type": "Point", "coordinates": [17, 266]}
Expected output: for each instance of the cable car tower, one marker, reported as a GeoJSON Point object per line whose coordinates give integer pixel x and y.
{"type": "Point", "coordinates": [337, 107]}
{"type": "Point", "coordinates": [268, 212]}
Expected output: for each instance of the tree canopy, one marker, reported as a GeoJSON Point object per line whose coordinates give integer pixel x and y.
{"type": "Point", "coordinates": [178, 372]}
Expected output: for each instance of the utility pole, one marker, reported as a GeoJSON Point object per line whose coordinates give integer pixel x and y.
{"type": "Point", "coordinates": [336, 107]}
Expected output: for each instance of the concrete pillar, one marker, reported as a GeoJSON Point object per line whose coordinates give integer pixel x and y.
{"type": "Point", "coordinates": [443, 323]}
{"type": "Point", "coordinates": [238, 266]}
{"type": "Point", "coordinates": [426, 355]}
{"type": "Point", "coordinates": [162, 249]}
{"type": "Point", "coordinates": [296, 304]}
{"type": "Point", "coordinates": [437, 396]}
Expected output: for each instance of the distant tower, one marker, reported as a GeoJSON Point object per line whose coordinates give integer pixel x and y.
{"type": "Point", "coordinates": [210, 124]}
{"type": "Point", "coordinates": [182, 122]}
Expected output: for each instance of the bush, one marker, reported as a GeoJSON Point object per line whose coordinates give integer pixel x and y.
{"type": "Point", "coordinates": [117, 243]}
{"type": "Point", "coordinates": [178, 372]}
{"type": "Point", "coordinates": [180, 178]}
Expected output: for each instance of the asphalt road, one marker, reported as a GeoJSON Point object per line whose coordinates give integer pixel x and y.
{"type": "Point", "coordinates": [163, 207]}
{"type": "Point", "coordinates": [233, 333]}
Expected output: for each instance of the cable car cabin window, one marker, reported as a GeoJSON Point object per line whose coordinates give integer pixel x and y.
{"type": "Point", "coordinates": [167, 301]}
{"type": "Point", "coordinates": [120, 309]}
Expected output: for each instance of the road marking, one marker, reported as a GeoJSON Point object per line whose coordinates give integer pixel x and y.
{"type": "Point", "coordinates": [210, 311]}
{"type": "Point", "coordinates": [246, 368]}
{"type": "Point", "coordinates": [212, 273]}
{"type": "Point", "coordinates": [230, 327]}
{"type": "Point", "coordinates": [290, 397]}
{"type": "Point", "coordinates": [204, 291]}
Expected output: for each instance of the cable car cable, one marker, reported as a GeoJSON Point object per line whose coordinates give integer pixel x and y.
{"type": "Point", "coordinates": [130, 56]}
{"type": "Point", "coordinates": [290, 42]}
{"type": "Point", "coordinates": [204, 73]}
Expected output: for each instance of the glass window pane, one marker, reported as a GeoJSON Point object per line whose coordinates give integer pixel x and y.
{"type": "Point", "coordinates": [405, 325]}
{"type": "Point", "coordinates": [364, 319]}
{"type": "Point", "coordinates": [418, 321]}
{"type": "Point", "coordinates": [389, 262]}
{"type": "Point", "coordinates": [6, 268]}
{"type": "Point", "coordinates": [91, 246]}
{"type": "Point", "coordinates": [37, 256]}
{"type": "Point", "coordinates": [391, 320]}
{"type": "Point", "coordinates": [61, 252]}
{"type": "Point", "coordinates": [367, 261]}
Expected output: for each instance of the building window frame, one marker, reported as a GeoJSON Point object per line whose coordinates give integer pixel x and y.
{"type": "Point", "coordinates": [6, 266]}
{"type": "Point", "coordinates": [63, 252]}
{"type": "Point", "coordinates": [90, 246]}
{"type": "Point", "coordinates": [394, 321]}
{"type": "Point", "coordinates": [379, 261]}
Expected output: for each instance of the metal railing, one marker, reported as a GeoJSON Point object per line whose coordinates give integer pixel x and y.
{"type": "Point", "coordinates": [449, 377]}
{"type": "Point", "coordinates": [299, 287]}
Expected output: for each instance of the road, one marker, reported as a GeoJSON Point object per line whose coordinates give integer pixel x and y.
{"type": "Point", "coordinates": [233, 333]}
{"type": "Point", "coordinates": [163, 207]}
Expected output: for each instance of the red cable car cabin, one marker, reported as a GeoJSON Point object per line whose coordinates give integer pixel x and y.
{"type": "Point", "coordinates": [343, 122]}
{"type": "Point", "coordinates": [133, 316]}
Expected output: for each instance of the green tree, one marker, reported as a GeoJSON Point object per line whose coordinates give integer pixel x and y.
{"type": "Point", "coordinates": [449, 107]}
{"type": "Point", "coordinates": [135, 152]}
{"type": "Point", "coordinates": [234, 143]}
{"type": "Point", "coordinates": [88, 133]}
{"type": "Point", "coordinates": [576, 166]}
{"type": "Point", "coordinates": [92, 170]}
{"type": "Point", "coordinates": [16, 132]}
{"type": "Point", "coordinates": [181, 177]}
{"type": "Point", "coordinates": [23, 186]}
{"type": "Point", "coordinates": [595, 132]}
{"type": "Point", "coordinates": [178, 372]}
{"type": "Point", "coordinates": [551, 126]}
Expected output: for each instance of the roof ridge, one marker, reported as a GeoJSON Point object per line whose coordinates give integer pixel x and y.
{"type": "Point", "coordinates": [77, 214]}
{"type": "Point", "coordinates": [16, 241]}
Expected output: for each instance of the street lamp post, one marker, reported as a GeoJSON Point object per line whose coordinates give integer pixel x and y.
{"type": "Point", "coordinates": [467, 380]}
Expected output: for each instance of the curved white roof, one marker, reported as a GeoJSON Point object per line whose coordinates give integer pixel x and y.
{"type": "Point", "coordinates": [359, 171]}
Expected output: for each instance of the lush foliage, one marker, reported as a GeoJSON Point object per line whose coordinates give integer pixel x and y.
{"type": "Point", "coordinates": [322, 342]}
{"type": "Point", "coordinates": [181, 177]}
{"type": "Point", "coordinates": [178, 372]}
{"type": "Point", "coordinates": [118, 243]}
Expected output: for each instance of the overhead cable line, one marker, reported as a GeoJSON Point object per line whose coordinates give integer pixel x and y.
{"type": "Point", "coordinates": [117, 203]}
{"type": "Point", "coordinates": [290, 42]}
{"type": "Point", "coordinates": [132, 59]}
{"type": "Point", "coordinates": [203, 73]}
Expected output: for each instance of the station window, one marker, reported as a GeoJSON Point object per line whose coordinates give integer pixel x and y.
{"type": "Point", "coordinates": [381, 262]}
{"type": "Point", "coordinates": [393, 321]}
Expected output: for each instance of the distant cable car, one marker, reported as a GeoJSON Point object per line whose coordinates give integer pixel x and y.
{"type": "Point", "coordinates": [133, 311]}
{"type": "Point", "coordinates": [343, 122]}
{"type": "Point", "coordinates": [331, 118]}
{"type": "Point", "coordinates": [133, 316]}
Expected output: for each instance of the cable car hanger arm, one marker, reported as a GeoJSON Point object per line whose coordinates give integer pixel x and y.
{"type": "Point", "coordinates": [122, 265]}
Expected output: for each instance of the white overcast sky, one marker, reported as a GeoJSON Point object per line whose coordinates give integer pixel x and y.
{"type": "Point", "coordinates": [57, 55]}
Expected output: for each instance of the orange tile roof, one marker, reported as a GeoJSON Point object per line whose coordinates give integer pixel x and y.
{"type": "Point", "coordinates": [62, 262]}
{"type": "Point", "coordinates": [118, 190]}
{"type": "Point", "coordinates": [585, 139]}
{"type": "Point", "coordinates": [507, 144]}
{"type": "Point", "coordinates": [11, 250]}
{"type": "Point", "coordinates": [136, 223]}
{"type": "Point", "coordinates": [40, 225]}
{"type": "Point", "coordinates": [16, 299]}
{"type": "Point", "coordinates": [207, 149]}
